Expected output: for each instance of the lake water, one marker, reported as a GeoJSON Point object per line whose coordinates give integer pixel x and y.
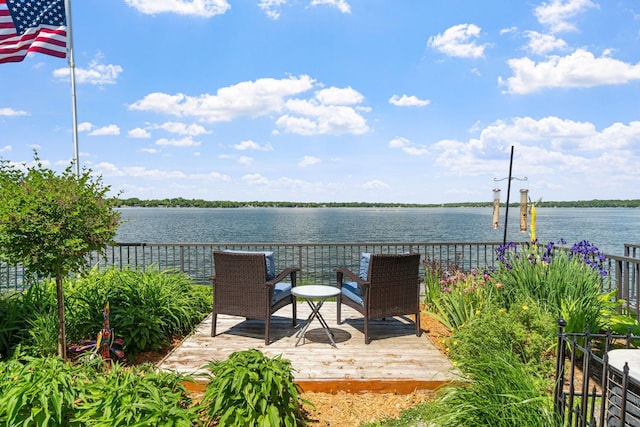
{"type": "Point", "coordinates": [607, 228]}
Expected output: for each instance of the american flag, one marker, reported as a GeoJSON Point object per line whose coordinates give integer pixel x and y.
{"type": "Point", "coordinates": [32, 26]}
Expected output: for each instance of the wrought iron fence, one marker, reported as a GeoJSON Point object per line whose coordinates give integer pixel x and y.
{"type": "Point", "coordinates": [590, 391]}
{"type": "Point", "coordinates": [317, 260]}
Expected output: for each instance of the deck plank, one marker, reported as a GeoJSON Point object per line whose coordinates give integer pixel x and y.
{"type": "Point", "coordinates": [395, 354]}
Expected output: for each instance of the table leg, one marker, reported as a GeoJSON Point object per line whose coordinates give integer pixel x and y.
{"type": "Point", "coordinates": [315, 313]}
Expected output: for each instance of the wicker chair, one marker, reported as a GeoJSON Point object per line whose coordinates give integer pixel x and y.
{"type": "Point", "coordinates": [241, 288]}
{"type": "Point", "coordinates": [391, 288]}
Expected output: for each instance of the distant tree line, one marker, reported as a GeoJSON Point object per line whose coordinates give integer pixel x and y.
{"type": "Point", "coordinates": [199, 203]}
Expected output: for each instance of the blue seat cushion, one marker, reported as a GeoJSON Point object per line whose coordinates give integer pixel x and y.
{"type": "Point", "coordinates": [352, 291]}
{"type": "Point", "coordinates": [269, 259]}
{"type": "Point", "coordinates": [365, 259]}
{"type": "Point", "coordinates": [280, 291]}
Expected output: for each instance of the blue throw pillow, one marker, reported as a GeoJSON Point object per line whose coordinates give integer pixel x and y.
{"type": "Point", "coordinates": [365, 259]}
{"type": "Point", "coordinates": [270, 262]}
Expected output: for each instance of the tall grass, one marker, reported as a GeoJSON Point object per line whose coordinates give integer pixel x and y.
{"type": "Point", "coordinates": [497, 391]}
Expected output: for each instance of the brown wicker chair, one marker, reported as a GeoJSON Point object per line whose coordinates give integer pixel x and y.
{"type": "Point", "coordinates": [392, 288]}
{"type": "Point", "coordinates": [241, 288]}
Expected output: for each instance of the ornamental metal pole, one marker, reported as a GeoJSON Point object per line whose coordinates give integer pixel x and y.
{"type": "Point", "coordinates": [506, 214]}
{"type": "Point", "coordinates": [72, 74]}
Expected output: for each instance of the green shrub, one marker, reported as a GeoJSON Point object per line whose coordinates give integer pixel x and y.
{"type": "Point", "coordinates": [147, 308]}
{"type": "Point", "coordinates": [141, 397]}
{"type": "Point", "coordinates": [50, 392]}
{"type": "Point", "coordinates": [525, 332]}
{"type": "Point", "coordinates": [12, 322]}
{"type": "Point", "coordinates": [37, 308]}
{"type": "Point", "coordinates": [38, 392]}
{"type": "Point", "coordinates": [249, 389]}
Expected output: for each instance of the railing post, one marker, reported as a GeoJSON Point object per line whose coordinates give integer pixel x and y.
{"type": "Point", "coordinates": [559, 398]}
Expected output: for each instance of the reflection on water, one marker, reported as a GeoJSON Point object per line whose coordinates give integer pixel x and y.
{"type": "Point", "coordinates": [607, 228]}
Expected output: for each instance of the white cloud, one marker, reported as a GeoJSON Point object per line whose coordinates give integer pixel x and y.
{"type": "Point", "coordinates": [10, 112]}
{"type": "Point", "coordinates": [106, 130]}
{"type": "Point", "coordinates": [321, 119]}
{"type": "Point", "coordinates": [271, 7]}
{"type": "Point", "coordinates": [85, 126]}
{"type": "Point", "coordinates": [408, 147]}
{"type": "Point", "coordinates": [308, 161]}
{"type": "Point", "coordinates": [204, 8]}
{"type": "Point", "coordinates": [547, 149]}
{"type": "Point", "coordinates": [556, 14]}
{"type": "Point", "coordinates": [375, 185]}
{"type": "Point", "coordinates": [341, 5]}
{"type": "Point", "coordinates": [579, 69]}
{"type": "Point", "coordinates": [149, 150]}
{"type": "Point", "coordinates": [110, 169]}
{"type": "Point", "coordinates": [183, 129]}
{"type": "Point", "coordinates": [252, 145]}
{"type": "Point", "coordinates": [284, 185]}
{"type": "Point", "coordinates": [325, 113]}
{"type": "Point", "coordinates": [255, 179]}
{"type": "Point", "coordinates": [245, 160]}
{"type": "Point", "coordinates": [96, 74]}
{"type": "Point", "coordinates": [408, 101]}
{"type": "Point", "coordinates": [5, 149]}
{"type": "Point", "coordinates": [541, 44]}
{"type": "Point", "coordinates": [184, 142]}
{"type": "Point", "coordinates": [459, 41]}
{"type": "Point", "coordinates": [139, 133]}
{"type": "Point", "coordinates": [249, 98]}
{"type": "Point", "coordinates": [339, 96]}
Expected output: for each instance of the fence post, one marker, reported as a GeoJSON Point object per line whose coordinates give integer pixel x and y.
{"type": "Point", "coordinates": [559, 398]}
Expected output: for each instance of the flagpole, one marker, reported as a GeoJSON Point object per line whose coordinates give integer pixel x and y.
{"type": "Point", "coordinates": [72, 74]}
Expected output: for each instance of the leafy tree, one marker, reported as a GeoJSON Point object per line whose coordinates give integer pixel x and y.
{"type": "Point", "coordinates": [50, 222]}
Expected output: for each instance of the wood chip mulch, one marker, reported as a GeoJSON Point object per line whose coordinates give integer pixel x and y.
{"type": "Point", "coordinates": [346, 409]}
{"type": "Point", "coordinates": [351, 410]}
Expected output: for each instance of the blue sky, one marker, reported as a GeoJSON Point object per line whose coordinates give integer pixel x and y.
{"type": "Point", "coordinates": [414, 101]}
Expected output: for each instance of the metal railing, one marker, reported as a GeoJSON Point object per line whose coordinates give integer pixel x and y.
{"type": "Point", "coordinates": [588, 390]}
{"type": "Point", "coordinates": [317, 260]}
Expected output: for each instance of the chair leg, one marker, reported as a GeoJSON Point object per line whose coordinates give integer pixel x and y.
{"type": "Point", "coordinates": [266, 329]}
{"type": "Point", "coordinates": [338, 314]}
{"type": "Point", "coordinates": [418, 330]}
{"type": "Point", "coordinates": [367, 340]}
{"type": "Point", "coordinates": [214, 317]}
{"type": "Point", "coordinates": [295, 312]}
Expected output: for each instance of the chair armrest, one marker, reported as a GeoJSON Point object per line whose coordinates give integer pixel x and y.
{"type": "Point", "coordinates": [342, 271]}
{"type": "Point", "coordinates": [290, 271]}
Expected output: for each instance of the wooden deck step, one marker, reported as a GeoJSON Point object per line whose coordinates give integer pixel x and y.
{"type": "Point", "coordinates": [395, 360]}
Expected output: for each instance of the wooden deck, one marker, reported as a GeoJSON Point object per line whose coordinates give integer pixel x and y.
{"type": "Point", "coordinates": [395, 361]}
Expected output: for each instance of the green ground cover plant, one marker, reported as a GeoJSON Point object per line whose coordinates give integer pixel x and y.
{"type": "Point", "coordinates": [148, 308]}
{"type": "Point", "coordinates": [47, 391]}
{"type": "Point", "coordinates": [249, 389]}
